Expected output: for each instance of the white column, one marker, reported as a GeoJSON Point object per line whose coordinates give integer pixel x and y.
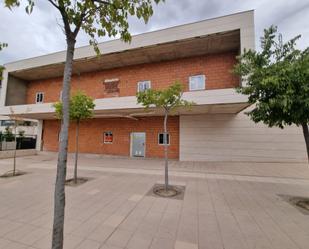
{"type": "Point", "coordinates": [5, 77]}
{"type": "Point", "coordinates": [247, 36]}
{"type": "Point", "coordinates": [39, 135]}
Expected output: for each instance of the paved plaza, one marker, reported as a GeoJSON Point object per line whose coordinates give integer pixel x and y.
{"type": "Point", "coordinates": [226, 205]}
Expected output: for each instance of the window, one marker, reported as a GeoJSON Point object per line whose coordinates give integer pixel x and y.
{"type": "Point", "coordinates": [143, 85]}
{"type": "Point", "coordinates": [197, 82]}
{"type": "Point", "coordinates": [108, 137]}
{"type": "Point", "coordinates": [25, 123]}
{"type": "Point", "coordinates": [39, 97]}
{"type": "Point", "coordinates": [7, 123]}
{"type": "Point", "coordinates": [161, 138]}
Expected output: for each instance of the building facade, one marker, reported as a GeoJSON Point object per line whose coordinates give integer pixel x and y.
{"type": "Point", "coordinates": [199, 55]}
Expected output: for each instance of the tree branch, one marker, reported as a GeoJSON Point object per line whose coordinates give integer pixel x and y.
{"type": "Point", "coordinates": [101, 1]}
{"type": "Point", "coordinates": [65, 19]}
{"type": "Point", "coordinates": [54, 4]}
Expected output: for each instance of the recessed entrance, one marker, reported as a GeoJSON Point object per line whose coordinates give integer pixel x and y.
{"type": "Point", "coordinates": [138, 140]}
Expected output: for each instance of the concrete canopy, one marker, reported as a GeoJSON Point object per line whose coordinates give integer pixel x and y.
{"type": "Point", "coordinates": [208, 44]}
{"type": "Point", "coordinates": [209, 101]}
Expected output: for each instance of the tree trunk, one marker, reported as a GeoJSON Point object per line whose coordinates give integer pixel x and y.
{"type": "Point", "coordinates": [165, 150]}
{"type": "Point", "coordinates": [306, 136]}
{"type": "Point", "coordinates": [76, 151]}
{"type": "Point", "coordinates": [14, 156]}
{"type": "Point", "coordinates": [59, 196]}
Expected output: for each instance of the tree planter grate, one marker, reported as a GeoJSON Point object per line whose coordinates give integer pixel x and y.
{"type": "Point", "coordinates": [10, 174]}
{"type": "Point", "coordinates": [174, 191]}
{"type": "Point", "coordinates": [80, 180]}
{"type": "Point", "coordinates": [301, 203]}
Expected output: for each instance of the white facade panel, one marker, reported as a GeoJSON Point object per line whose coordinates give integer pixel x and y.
{"type": "Point", "coordinates": [230, 137]}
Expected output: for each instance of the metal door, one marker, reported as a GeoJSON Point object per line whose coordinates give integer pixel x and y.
{"type": "Point", "coordinates": [138, 144]}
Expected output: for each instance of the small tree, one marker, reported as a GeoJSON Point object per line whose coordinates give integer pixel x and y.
{"type": "Point", "coordinates": [8, 134]}
{"type": "Point", "coordinates": [21, 135]}
{"type": "Point", "coordinates": [168, 100]}
{"type": "Point", "coordinates": [277, 82]}
{"type": "Point", "coordinates": [81, 107]}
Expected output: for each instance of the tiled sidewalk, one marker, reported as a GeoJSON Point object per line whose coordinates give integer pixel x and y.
{"type": "Point", "coordinates": [221, 209]}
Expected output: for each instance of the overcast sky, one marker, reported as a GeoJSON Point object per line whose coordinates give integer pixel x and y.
{"type": "Point", "coordinates": [39, 33]}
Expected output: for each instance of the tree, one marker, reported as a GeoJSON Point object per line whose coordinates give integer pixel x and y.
{"type": "Point", "coordinates": [81, 107]}
{"type": "Point", "coordinates": [277, 82]}
{"type": "Point", "coordinates": [167, 100]}
{"type": "Point", "coordinates": [8, 134]}
{"type": "Point", "coordinates": [10, 137]}
{"type": "Point", "coordinates": [97, 18]}
{"type": "Point", "coordinates": [21, 135]}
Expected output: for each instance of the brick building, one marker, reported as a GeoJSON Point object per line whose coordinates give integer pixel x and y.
{"type": "Point", "coordinates": [200, 55]}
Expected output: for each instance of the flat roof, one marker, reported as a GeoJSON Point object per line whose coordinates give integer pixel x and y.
{"type": "Point", "coordinates": [227, 33]}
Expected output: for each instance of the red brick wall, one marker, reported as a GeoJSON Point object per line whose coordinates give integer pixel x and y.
{"type": "Point", "coordinates": [91, 136]}
{"type": "Point", "coordinates": [216, 67]}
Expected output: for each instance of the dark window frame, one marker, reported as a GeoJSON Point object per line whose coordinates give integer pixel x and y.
{"type": "Point", "coordinates": [161, 138]}
{"type": "Point", "coordinates": [39, 97]}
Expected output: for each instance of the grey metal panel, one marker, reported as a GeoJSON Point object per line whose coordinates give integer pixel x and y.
{"type": "Point", "coordinates": [138, 140]}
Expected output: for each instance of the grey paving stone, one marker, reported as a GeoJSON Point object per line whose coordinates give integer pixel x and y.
{"type": "Point", "coordinates": [226, 205]}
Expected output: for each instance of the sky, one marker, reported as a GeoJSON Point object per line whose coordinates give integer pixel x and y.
{"type": "Point", "coordinates": [41, 33]}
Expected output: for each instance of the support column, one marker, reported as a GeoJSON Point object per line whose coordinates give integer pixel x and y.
{"type": "Point", "coordinates": [39, 135]}
{"type": "Point", "coordinates": [5, 76]}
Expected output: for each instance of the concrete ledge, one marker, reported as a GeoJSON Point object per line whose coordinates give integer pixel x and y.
{"type": "Point", "coordinates": [19, 153]}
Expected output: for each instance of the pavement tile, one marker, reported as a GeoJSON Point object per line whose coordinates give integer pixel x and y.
{"type": "Point", "coordinates": [110, 247]}
{"type": "Point", "coordinates": [226, 205]}
{"type": "Point", "coordinates": [71, 241]}
{"type": "Point", "coordinates": [4, 242]}
{"type": "Point", "coordinates": [33, 236]}
{"type": "Point", "coordinates": [119, 238]}
{"type": "Point", "coordinates": [101, 233]}
{"type": "Point", "coordinates": [136, 198]}
{"type": "Point", "coordinates": [89, 244]}
{"type": "Point", "coordinates": [44, 243]}
{"type": "Point", "coordinates": [185, 245]}
{"type": "Point", "coordinates": [20, 232]}
{"type": "Point", "coordinates": [162, 243]}
{"type": "Point", "coordinates": [139, 241]}
{"type": "Point", "coordinates": [15, 245]}
{"type": "Point", "coordinates": [93, 192]}
{"type": "Point", "coordinates": [114, 220]}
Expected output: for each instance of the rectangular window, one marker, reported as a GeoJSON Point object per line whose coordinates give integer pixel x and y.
{"type": "Point", "coordinates": [108, 137]}
{"type": "Point", "coordinates": [143, 85]}
{"type": "Point", "coordinates": [197, 82]}
{"type": "Point", "coordinates": [39, 98]}
{"type": "Point", "coordinates": [7, 123]}
{"type": "Point", "coordinates": [161, 139]}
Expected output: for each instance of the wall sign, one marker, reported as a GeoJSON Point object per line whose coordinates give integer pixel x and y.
{"type": "Point", "coordinates": [108, 137]}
